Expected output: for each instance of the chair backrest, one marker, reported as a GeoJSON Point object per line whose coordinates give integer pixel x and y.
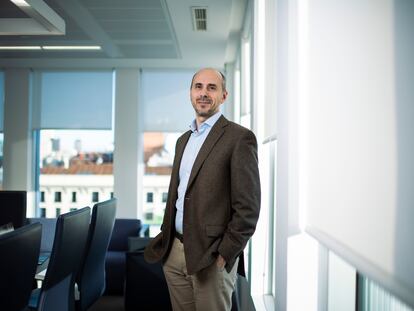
{"type": "Point", "coordinates": [68, 248]}
{"type": "Point", "coordinates": [91, 277]}
{"type": "Point", "coordinates": [13, 208]}
{"type": "Point", "coordinates": [19, 251]}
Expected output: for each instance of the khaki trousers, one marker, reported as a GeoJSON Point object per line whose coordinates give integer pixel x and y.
{"type": "Point", "coordinates": [208, 290]}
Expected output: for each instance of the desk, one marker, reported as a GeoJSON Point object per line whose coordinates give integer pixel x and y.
{"type": "Point", "coordinates": [42, 264]}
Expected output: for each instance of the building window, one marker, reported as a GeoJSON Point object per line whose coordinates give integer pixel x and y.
{"type": "Point", "coordinates": [149, 216]}
{"type": "Point", "coordinates": [42, 212]}
{"type": "Point", "coordinates": [150, 197]}
{"type": "Point", "coordinates": [164, 197]}
{"type": "Point", "coordinates": [74, 196]}
{"type": "Point", "coordinates": [112, 195]}
{"type": "Point", "coordinates": [57, 212]}
{"type": "Point", "coordinates": [42, 196]}
{"type": "Point", "coordinates": [58, 196]}
{"type": "Point", "coordinates": [95, 196]}
{"type": "Point", "coordinates": [73, 209]}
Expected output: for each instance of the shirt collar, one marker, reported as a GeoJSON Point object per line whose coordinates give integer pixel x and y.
{"type": "Point", "coordinates": [210, 122]}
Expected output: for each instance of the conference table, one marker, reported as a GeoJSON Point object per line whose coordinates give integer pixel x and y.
{"type": "Point", "coordinates": [42, 266]}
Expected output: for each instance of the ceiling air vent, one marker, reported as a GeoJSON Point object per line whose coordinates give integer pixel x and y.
{"type": "Point", "coordinates": [199, 18]}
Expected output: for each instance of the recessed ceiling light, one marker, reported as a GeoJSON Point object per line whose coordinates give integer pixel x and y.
{"type": "Point", "coordinates": [74, 47]}
{"type": "Point", "coordinates": [20, 48]}
{"type": "Point", "coordinates": [20, 3]}
{"type": "Point", "coordinates": [44, 18]}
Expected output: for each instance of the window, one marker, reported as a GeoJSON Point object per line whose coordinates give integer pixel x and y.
{"type": "Point", "coordinates": [150, 197]}
{"type": "Point", "coordinates": [74, 133]}
{"type": "Point", "coordinates": [159, 151]}
{"type": "Point", "coordinates": [58, 210]}
{"type": "Point", "coordinates": [371, 295]}
{"type": "Point", "coordinates": [42, 196]}
{"type": "Point", "coordinates": [72, 209]}
{"type": "Point", "coordinates": [149, 216]}
{"type": "Point", "coordinates": [95, 196]}
{"type": "Point", "coordinates": [112, 194]}
{"type": "Point", "coordinates": [77, 162]}
{"type": "Point", "coordinates": [162, 125]}
{"type": "Point", "coordinates": [58, 196]}
{"type": "Point", "coordinates": [74, 196]}
{"type": "Point", "coordinates": [42, 212]}
{"type": "Point", "coordinates": [164, 197]}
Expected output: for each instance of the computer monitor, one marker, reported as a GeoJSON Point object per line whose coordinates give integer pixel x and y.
{"type": "Point", "coordinates": [13, 208]}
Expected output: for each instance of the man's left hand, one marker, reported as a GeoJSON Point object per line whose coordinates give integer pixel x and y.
{"type": "Point", "coordinates": [220, 262]}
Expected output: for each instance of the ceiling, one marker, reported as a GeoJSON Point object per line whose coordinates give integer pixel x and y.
{"type": "Point", "coordinates": [132, 33]}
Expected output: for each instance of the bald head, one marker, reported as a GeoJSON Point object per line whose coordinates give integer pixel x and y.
{"type": "Point", "coordinates": [219, 74]}
{"type": "Point", "coordinates": [207, 93]}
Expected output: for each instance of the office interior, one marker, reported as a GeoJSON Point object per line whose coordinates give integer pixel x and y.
{"type": "Point", "coordinates": [326, 86]}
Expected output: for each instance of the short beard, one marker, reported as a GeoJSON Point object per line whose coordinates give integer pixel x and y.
{"type": "Point", "coordinates": [208, 113]}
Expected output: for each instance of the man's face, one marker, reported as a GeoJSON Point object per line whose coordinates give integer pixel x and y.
{"type": "Point", "coordinates": [207, 93]}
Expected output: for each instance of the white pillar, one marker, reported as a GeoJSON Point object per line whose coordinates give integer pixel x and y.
{"type": "Point", "coordinates": [228, 110]}
{"type": "Point", "coordinates": [128, 152]}
{"type": "Point", "coordinates": [282, 188]}
{"type": "Point", "coordinates": [18, 162]}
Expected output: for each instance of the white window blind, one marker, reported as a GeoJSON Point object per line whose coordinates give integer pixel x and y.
{"type": "Point", "coordinates": [166, 100]}
{"type": "Point", "coordinates": [75, 99]}
{"type": "Point", "coordinates": [359, 145]}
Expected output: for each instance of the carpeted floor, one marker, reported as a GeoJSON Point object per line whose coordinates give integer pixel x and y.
{"type": "Point", "coordinates": [109, 303]}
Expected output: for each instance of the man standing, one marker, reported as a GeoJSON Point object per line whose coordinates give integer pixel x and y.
{"type": "Point", "coordinates": [213, 203]}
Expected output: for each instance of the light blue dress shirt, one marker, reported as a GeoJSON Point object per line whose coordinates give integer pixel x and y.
{"type": "Point", "coordinates": [191, 150]}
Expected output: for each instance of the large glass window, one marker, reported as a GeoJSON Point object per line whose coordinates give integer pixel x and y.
{"type": "Point", "coordinates": [73, 122]}
{"type": "Point", "coordinates": [167, 112]}
{"type": "Point", "coordinates": [76, 169]}
{"type": "Point", "coordinates": [159, 150]}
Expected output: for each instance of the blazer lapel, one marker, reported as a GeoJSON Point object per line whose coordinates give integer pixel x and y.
{"type": "Point", "coordinates": [215, 133]}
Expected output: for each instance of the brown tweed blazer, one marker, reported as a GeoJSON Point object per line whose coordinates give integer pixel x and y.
{"type": "Point", "coordinates": [222, 200]}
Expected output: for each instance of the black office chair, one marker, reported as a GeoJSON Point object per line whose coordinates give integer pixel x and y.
{"type": "Point", "coordinates": [57, 291]}
{"type": "Point", "coordinates": [91, 277]}
{"type": "Point", "coordinates": [19, 251]}
{"type": "Point", "coordinates": [13, 208]}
